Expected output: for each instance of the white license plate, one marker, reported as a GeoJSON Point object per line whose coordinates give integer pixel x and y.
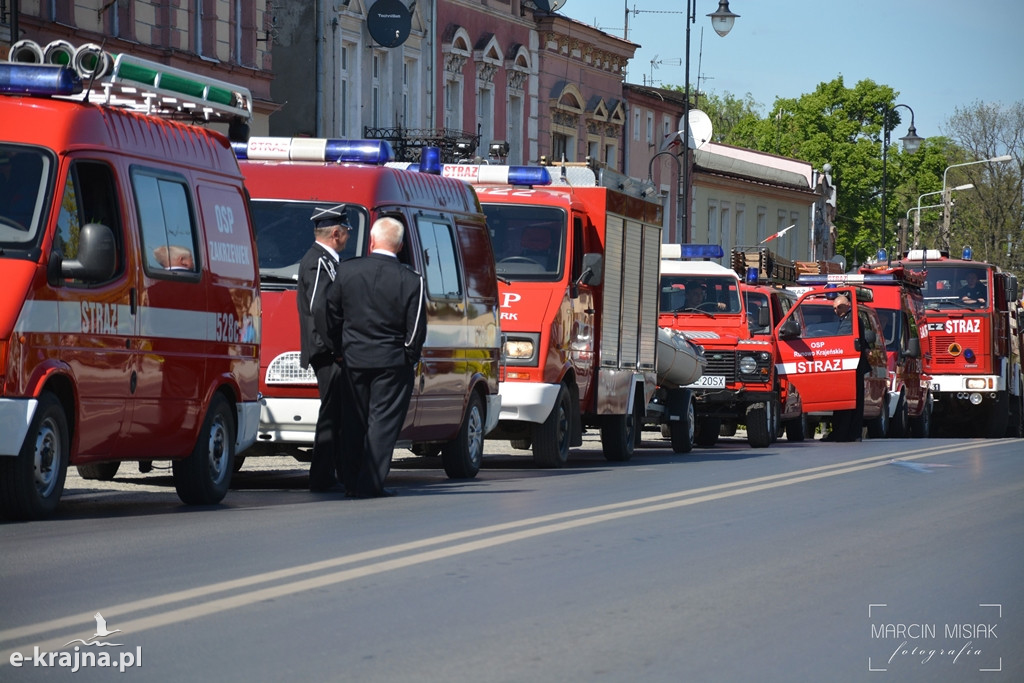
{"type": "Point", "coordinates": [708, 382]}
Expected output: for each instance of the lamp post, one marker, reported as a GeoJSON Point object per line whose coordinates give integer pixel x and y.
{"type": "Point", "coordinates": [946, 217]}
{"type": "Point", "coordinates": [722, 21]}
{"type": "Point", "coordinates": [911, 143]}
{"type": "Point", "coordinates": [917, 217]}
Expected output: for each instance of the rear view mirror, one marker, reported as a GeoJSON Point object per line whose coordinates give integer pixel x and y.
{"type": "Point", "coordinates": [913, 348]}
{"type": "Point", "coordinates": [764, 317]}
{"type": "Point", "coordinates": [97, 255]}
{"type": "Point", "coordinates": [593, 270]}
{"type": "Point", "coordinates": [789, 330]}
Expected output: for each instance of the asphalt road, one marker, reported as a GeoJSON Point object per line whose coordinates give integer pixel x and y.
{"type": "Point", "coordinates": [878, 561]}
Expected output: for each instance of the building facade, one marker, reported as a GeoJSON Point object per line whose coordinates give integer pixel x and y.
{"type": "Point", "coordinates": [223, 39]}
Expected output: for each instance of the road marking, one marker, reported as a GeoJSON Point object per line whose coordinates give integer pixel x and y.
{"type": "Point", "coordinates": [422, 551]}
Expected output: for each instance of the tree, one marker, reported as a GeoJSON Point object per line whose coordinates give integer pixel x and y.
{"type": "Point", "coordinates": [989, 218]}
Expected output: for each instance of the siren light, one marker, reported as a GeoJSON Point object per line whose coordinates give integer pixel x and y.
{"type": "Point", "coordinates": [38, 79]}
{"type": "Point", "coordinates": [968, 254]}
{"type": "Point", "coordinates": [375, 152]}
{"type": "Point", "coordinates": [702, 251]}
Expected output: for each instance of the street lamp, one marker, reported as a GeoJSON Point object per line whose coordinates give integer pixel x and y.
{"type": "Point", "coordinates": [946, 218]}
{"type": "Point", "coordinates": [911, 143]}
{"type": "Point", "coordinates": [917, 218]}
{"type": "Point", "coordinates": [722, 21]}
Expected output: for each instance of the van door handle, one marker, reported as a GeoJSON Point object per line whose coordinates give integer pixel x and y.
{"type": "Point", "coordinates": [133, 300]}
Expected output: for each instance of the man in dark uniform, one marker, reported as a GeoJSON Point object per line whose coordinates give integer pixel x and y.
{"type": "Point", "coordinates": [317, 269]}
{"type": "Point", "coordinates": [376, 315]}
{"type": "Point", "coordinates": [973, 293]}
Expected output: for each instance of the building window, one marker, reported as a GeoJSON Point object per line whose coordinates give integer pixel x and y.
{"type": "Point", "coordinates": [636, 125]}
{"type": "Point", "coordinates": [741, 226]}
{"type": "Point", "coordinates": [728, 240]}
{"type": "Point", "coordinates": [762, 223]}
{"type": "Point", "coordinates": [650, 127]}
{"type": "Point", "coordinates": [560, 147]}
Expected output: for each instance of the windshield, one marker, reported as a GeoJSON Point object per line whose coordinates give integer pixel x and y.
{"type": "Point", "coordinates": [707, 293]}
{"type": "Point", "coordinates": [25, 176]}
{"type": "Point", "coordinates": [284, 233]}
{"type": "Point", "coordinates": [529, 241]}
{"type": "Point", "coordinates": [960, 286]}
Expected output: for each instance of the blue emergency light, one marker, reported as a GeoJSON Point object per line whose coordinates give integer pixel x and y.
{"type": "Point", "coordinates": [837, 279]}
{"type": "Point", "coordinates": [707, 251]}
{"type": "Point", "coordinates": [968, 254]}
{"type": "Point", "coordinates": [38, 79]}
{"type": "Point", "coordinates": [430, 160]}
{"type": "Point", "coordinates": [882, 255]}
{"type": "Point", "coordinates": [752, 275]}
{"type": "Point", "coordinates": [375, 152]}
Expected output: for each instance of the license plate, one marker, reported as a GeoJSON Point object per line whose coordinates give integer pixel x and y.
{"type": "Point", "coordinates": [708, 382]}
{"type": "Point", "coordinates": [936, 387]}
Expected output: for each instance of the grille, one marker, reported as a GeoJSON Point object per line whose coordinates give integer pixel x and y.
{"type": "Point", "coordinates": [285, 369]}
{"type": "Point", "coordinates": [721, 363]}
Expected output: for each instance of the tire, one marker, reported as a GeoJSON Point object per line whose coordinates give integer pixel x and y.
{"type": "Point", "coordinates": [1015, 425]}
{"type": "Point", "coordinates": [878, 427]}
{"type": "Point", "coordinates": [99, 471]}
{"type": "Point", "coordinates": [551, 437]}
{"type": "Point", "coordinates": [683, 430]}
{"type": "Point", "coordinates": [31, 483]}
{"type": "Point", "coordinates": [796, 429]}
{"type": "Point", "coordinates": [462, 456]}
{"type": "Point", "coordinates": [759, 425]}
{"type": "Point", "coordinates": [707, 431]}
{"type": "Point", "coordinates": [921, 426]}
{"type": "Point", "coordinates": [203, 478]}
{"type": "Point", "coordinates": [899, 424]}
{"type": "Point", "coordinates": [619, 436]}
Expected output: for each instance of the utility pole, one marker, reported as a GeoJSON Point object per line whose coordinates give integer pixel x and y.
{"type": "Point", "coordinates": [947, 216]}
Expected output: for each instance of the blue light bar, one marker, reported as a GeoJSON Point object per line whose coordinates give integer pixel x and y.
{"type": "Point", "coordinates": [376, 152]}
{"type": "Point", "coordinates": [38, 79]}
{"type": "Point", "coordinates": [835, 279]}
{"type": "Point", "coordinates": [701, 251]}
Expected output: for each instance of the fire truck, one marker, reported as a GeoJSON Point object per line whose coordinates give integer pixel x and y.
{"type": "Point", "coordinates": [974, 365]}
{"type": "Point", "coordinates": [739, 385]}
{"type": "Point", "coordinates": [576, 248]}
{"type": "Point", "coordinates": [899, 304]}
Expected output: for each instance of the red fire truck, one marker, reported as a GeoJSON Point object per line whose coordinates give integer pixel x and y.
{"type": "Point", "coordinates": [975, 367]}
{"type": "Point", "coordinates": [576, 248]}
{"type": "Point", "coordinates": [897, 300]}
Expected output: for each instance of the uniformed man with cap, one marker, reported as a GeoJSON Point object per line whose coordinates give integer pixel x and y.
{"type": "Point", "coordinates": [317, 270]}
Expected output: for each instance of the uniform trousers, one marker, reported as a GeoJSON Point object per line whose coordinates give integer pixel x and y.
{"type": "Point", "coordinates": [381, 399]}
{"type": "Point", "coordinates": [325, 467]}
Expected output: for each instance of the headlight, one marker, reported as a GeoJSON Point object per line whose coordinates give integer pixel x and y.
{"type": "Point", "coordinates": [518, 349]}
{"type": "Point", "coordinates": [748, 365]}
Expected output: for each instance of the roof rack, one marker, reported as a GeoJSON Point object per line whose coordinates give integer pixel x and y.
{"type": "Point", "coordinates": [130, 82]}
{"type": "Point", "coordinates": [759, 265]}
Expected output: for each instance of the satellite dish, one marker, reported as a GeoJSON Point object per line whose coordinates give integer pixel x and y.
{"type": "Point", "coordinates": [548, 5]}
{"type": "Point", "coordinates": [389, 22]}
{"type": "Point", "coordinates": [556, 5]}
{"type": "Point", "coordinates": [841, 260]}
{"type": "Point", "coordinates": [700, 129]}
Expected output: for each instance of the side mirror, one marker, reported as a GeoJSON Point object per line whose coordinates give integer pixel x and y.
{"type": "Point", "coordinates": [593, 270]}
{"type": "Point", "coordinates": [1011, 288]}
{"type": "Point", "coordinates": [789, 330]}
{"type": "Point", "coordinates": [764, 317]}
{"type": "Point", "coordinates": [870, 337]}
{"type": "Point", "coordinates": [97, 255]}
{"type": "Point", "coordinates": [913, 348]}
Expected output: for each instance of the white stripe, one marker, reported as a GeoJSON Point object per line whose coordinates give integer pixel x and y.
{"type": "Point", "coordinates": [66, 317]}
{"type": "Point", "coordinates": [419, 315]}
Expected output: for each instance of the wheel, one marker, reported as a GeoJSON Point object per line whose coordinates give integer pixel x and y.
{"type": "Point", "coordinates": [707, 431]}
{"type": "Point", "coordinates": [204, 476]}
{"type": "Point", "coordinates": [619, 436]}
{"type": "Point", "coordinates": [462, 456]}
{"type": "Point", "coordinates": [797, 429]}
{"type": "Point", "coordinates": [99, 471]}
{"type": "Point", "coordinates": [31, 484]}
{"type": "Point", "coordinates": [683, 430]}
{"type": "Point", "coordinates": [921, 426]}
{"type": "Point", "coordinates": [759, 425]}
{"type": "Point", "coordinates": [878, 427]}
{"type": "Point", "coordinates": [899, 424]}
{"type": "Point", "coordinates": [551, 437]}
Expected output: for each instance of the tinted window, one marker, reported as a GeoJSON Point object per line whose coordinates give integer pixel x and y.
{"type": "Point", "coordinates": [89, 195]}
{"type": "Point", "coordinates": [440, 263]}
{"type": "Point", "coordinates": [167, 222]}
{"type": "Point", "coordinates": [24, 178]}
{"type": "Point", "coordinates": [528, 241]}
{"type": "Point", "coordinates": [284, 233]}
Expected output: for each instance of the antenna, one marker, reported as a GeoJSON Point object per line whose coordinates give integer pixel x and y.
{"type": "Point", "coordinates": [674, 61]}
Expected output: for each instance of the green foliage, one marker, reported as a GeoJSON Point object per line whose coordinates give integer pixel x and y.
{"type": "Point", "coordinates": [843, 127]}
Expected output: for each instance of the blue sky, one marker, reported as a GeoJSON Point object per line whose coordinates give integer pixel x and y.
{"type": "Point", "coordinates": [937, 55]}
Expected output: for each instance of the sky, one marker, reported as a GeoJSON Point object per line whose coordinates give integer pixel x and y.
{"type": "Point", "coordinates": [938, 55]}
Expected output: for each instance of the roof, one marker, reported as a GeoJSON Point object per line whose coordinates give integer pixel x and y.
{"type": "Point", "coordinates": [729, 166]}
